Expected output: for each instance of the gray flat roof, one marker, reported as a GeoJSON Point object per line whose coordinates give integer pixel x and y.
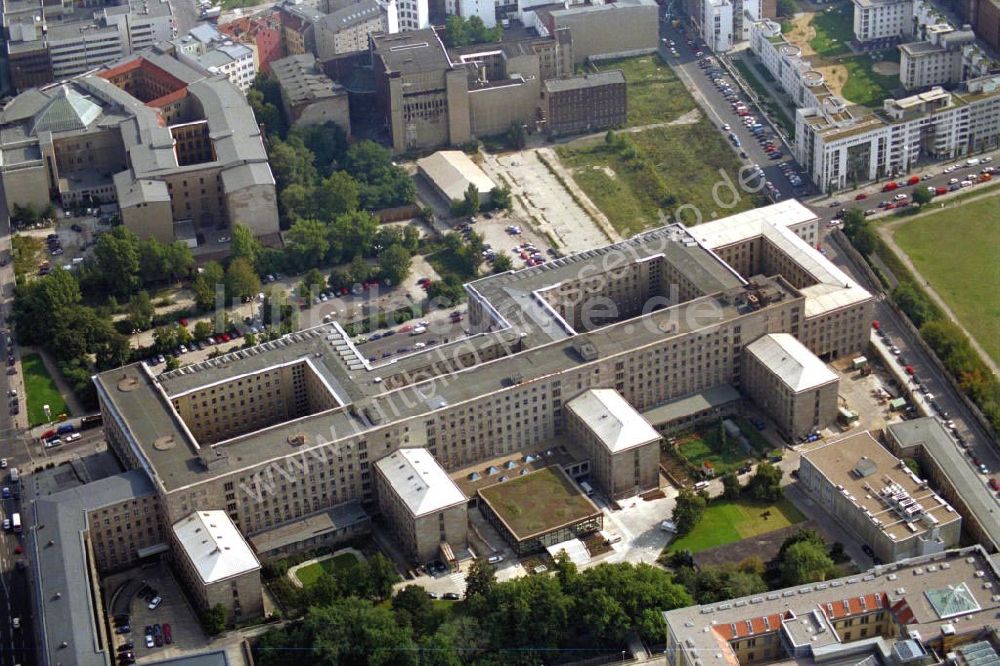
{"type": "Point", "coordinates": [341, 516]}
{"type": "Point", "coordinates": [411, 52]}
{"type": "Point", "coordinates": [62, 581]}
{"type": "Point", "coordinates": [301, 81]}
{"type": "Point", "coordinates": [717, 396]}
{"type": "Point", "coordinates": [976, 495]}
{"type": "Point", "coordinates": [584, 81]}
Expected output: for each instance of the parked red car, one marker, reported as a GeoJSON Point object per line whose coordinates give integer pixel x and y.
{"type": "Point", "coordinates": [890, 186]}
{"type": "Point", "coordinates": [861, 196]}
{"type": "Point", "coordinates": [168, 635]}
{"type": "Point", "coordinates": [913, 180]}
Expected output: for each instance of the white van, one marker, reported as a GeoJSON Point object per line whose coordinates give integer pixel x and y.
{"type": "Point", "coordinates": [701, 485]}
{"type": "Point", "coordinates": [669, 526]}
{"type": "Point", "coordinates": [973, 162]}
{"type": "Point", "coordinates": [418, 330]}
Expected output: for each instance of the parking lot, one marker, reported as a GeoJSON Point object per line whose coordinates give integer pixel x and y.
{"type": "Point", "coordinates": [173, 610]}
{"type": "Point", "coordinates": [547, 201]}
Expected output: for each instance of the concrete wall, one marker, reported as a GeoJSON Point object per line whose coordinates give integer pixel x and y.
{"type": "Point", "coordinates": [493, 110]}
{"type": "Point", "coordinates": [626, 29]}
{"type": "Point", "coordinates": [153, 220]}
{"type": "Point", "coordinates": [621, 474]}
{"type": "Point", "coordinates": [28, 186]}
{"type": "Point", "coordinates": [333, 109]}
{"type": "Point", "coordinates": [255, 207]}
{"type": "Point", "coordinates": [795, 414]}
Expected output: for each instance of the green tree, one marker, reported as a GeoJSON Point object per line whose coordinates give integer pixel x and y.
{"type": "Point", "coordinates": [203, 330]}
{"type": "Point", "coordinates": [922, 196]}
{"type": "Point", "coordinates": [502, 263]}
{"type": "Point", "coordinates": [327, 142]}
{"type": "Point", "coordinates": [336, 195]}
{"type": "Point", "coordinates": [413, 608]}
{"type": "Point", "coordinates": [805, 562]}
{"type": "Point", "coordinates": [307, 239]}
{"type": "Point", "coordinates": [394, 264]}
{"type": "Point", "coordinates": [765, 484]}
{"type": "Point", "coordinates": [292, 163]}
{"type": "Point", "coordinates": [39, 304]}
{"type": "Point", "coordinates": [214, 619]}
{"type": "Point", "coordinates": [382, 575]}
{"type": "Point", "coordinates": [455, 33]}
{"type": "Point", "coordinates": [481, 579]}
{"type": "Point", "coordinates": [313, 282]}
{"type": "Point", "coordinates": [243, 244]}
{"type": "Point", "coordinates": [140, 310]}
{"type": "Point", "coordinates": [165, 338]}
{"type": "Point", "coordinates": [323, 591]}
{"type": "Point", "coordinates": [731, 487]}
{"type": "Point", "coordinates": [209, 280]}
{"type": "Point", "coordinates": [264, 98]}
{"type": "Point", "coordinates": [688, 510]}
{"type": "Point", "coordinates": [241, 279]}
{"type": "Point", "coordinates": [914, 303]}
{"type": "Point", "coordinates": [500, 198]}
{"type": "Point", "coordinates": [517, 138]}
{"type": "Point", "coordinates": [115, 264]}
{"type": "Point", "coordinates": [382, 184]}
{"type": "Point", "coordinates": [471, 198]}
{"type": "Point", "coordinates": [359, 269]}
{"type": "Point", "coordinates": [353, 631]}
{"type": "Point", "coordinates": [352, 233]}
{"type": "Point", "coordinates": [172, 363]}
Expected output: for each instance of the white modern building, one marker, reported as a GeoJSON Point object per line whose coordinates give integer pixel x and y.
{"type": "Point", "coordinates": [413, 14]}
{"type": "Point", "coordinates": [882, 19]}
{"type": "Point", "coordinates": [207, 50]}
{"type": "Point", "coordinates": [947, 57]}
{"type": "Point", "coordinates": [725, 23]}
{"type": "Point", "coordinates": [841, 145]}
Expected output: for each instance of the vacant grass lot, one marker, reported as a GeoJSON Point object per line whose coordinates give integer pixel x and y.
{"type": "Point", "coordinates": [682, 160]}
{"type": "Point", "coordinates": [333, 566]}
{"type": "Point", "coordinates": [863, 85]}
{"type": "Point", "coordinates": [41, 390]}
{"type": "Point", "coordinates": [834, 29]}
{"type": "Point", "coordinates": [726, 521]}
{"type": "Point", "coordinates": [956, 250]}
{"type": "Point", "coordinates": [655, 94]}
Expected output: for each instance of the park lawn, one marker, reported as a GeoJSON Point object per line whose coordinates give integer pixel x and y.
{"type": "Point", "coordinates": [41, 390]}
{"type": "Point", "coordinates": [310, 574]}
{"type": "Point", "coordinates": [655, 94]}
{"type": "Point", "coordinates": [834, 29]}
{"type": "Point", "coordinates": [698, 447]}
{"type": "Point", "coordinates": [956, 250]}
{"type": "Point", "coordinates": [728, 521]}
{"type": "Point", "coordinates": [863, 85]}
{"type": "Point", "coordinates": [684, 159]}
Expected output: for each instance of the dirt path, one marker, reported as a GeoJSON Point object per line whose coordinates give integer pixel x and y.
{"type": "Point", "coordinates": [887, 231]}
{"type": "Point", "coordinates": [835, 77]}
{"type": "Point", "coordinates": [802, 32]}
{"type": "Point", "coordinates": [689, 118]}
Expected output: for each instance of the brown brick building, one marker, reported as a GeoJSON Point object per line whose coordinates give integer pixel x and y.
{"type": "Point", "coordinates": [586, 103]}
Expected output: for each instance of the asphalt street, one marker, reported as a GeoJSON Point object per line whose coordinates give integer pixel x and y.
{"type": "Point", "coordinates": [719, 110]}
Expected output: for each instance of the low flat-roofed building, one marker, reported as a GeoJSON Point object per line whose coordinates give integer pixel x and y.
{"type": "Point", "coordinates": [876, 498]}
{"type": "Point", "coordinates": [947, 466]}
{"type": "Point", "coordinates": [309, 96]}
{"type": "Point", "coordinates": [451, 172]}
{"type": "Point", "coordinates": [624, 449]}
{"type": "Point", "coordinates": [535, 510]}
{"type": "Point", "coordinates": [218, 564]}
{"type": "Point", "coordinates": [586, 103]}
{"type": "Point", "coordinates": [887, 615]}
{"type": "Point", "coordinates": [427, 512]}
{"type": "Point", "coordinates": [796, 389]}
{"type": "Point", "coordinates": [324, 528]}
{"type": "Point", "coordinates": [686, 411]}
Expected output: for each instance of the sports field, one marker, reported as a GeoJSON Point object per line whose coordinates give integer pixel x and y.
{"type": "Point", "coordinates": [334, 565]}
{"type": "Point", "coordinates": [956, 250]}
{"type": "Point", "coordinates": [727, 521]}
{"type": "Point", "coordinates": [41, 390]}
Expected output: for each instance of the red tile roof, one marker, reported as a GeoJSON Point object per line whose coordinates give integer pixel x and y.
{"type": "Point", "coordinates": [755, 626]}
{"type": "Point", "coordinates": [862, 605]}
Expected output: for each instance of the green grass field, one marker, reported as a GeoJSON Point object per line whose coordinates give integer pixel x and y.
{"type": "Point", "coordinates": [682, 162]}
{"type": "Point", "coordinates": [727, 521]}
{"type": "Point", "coordinates": [655, 94]}
{"type": "Point", "coordinates": [863, 85]}
{"type": "Point", "coordinates": [41, 390]}
{"type": "Point", "coordinates": [834, 29]}
{"type": "Point", "coordinates": [336, 564]}
{"type": "Point", "coordinates": [956, 250]}
{"type": "Point", "coordinates": [706, 444]}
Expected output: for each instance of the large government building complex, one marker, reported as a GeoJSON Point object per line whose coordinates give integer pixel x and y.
{"type": "Point", "coordinates": [567, 371]}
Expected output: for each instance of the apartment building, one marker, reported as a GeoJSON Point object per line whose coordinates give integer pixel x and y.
{"type": "Point", "coordinates": [914, 611]}
{"type": "Point", "coordinates": [179, 152]}
{"type": "Point", "coordinates": [346, 29]}
{"type": "Point", "coordinates": [427, 512]}
{"type": "Point", "coordinates": [218, 565]}
{"type": "Point", "coordinates": [413, 14]}
{"type": "Point", "coordinates": [946, 58]}
{"type": "Point", "coordinates": [841, 146]}
{"type": "Point", "coordinates": [211, 52]}
{"type": "Point", "coordinates": [212, 434]}
{"type": "Point", "coordinates": [986, 21]}
{"type": "Point", "coordinates": [805, 85]}
{"type": "Point", "coordinates": [887, 20]}
{"type": "Point", "coordinates": [309, 96]}
{"type": "Point", "coordinates": [298, 27]}
{"type": "Point", "coordinates": [54, 42]}
{"type": "Point", "coordinates": [262, 32]}
{"type": "Point", "coordinates": [875, 496]}
{"type": "Point", "coordinates": [585, 103]}
{"type": "Point", "coordinates": [624, 449]}
{"type": "Point", "coordinates": [793, 387]}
